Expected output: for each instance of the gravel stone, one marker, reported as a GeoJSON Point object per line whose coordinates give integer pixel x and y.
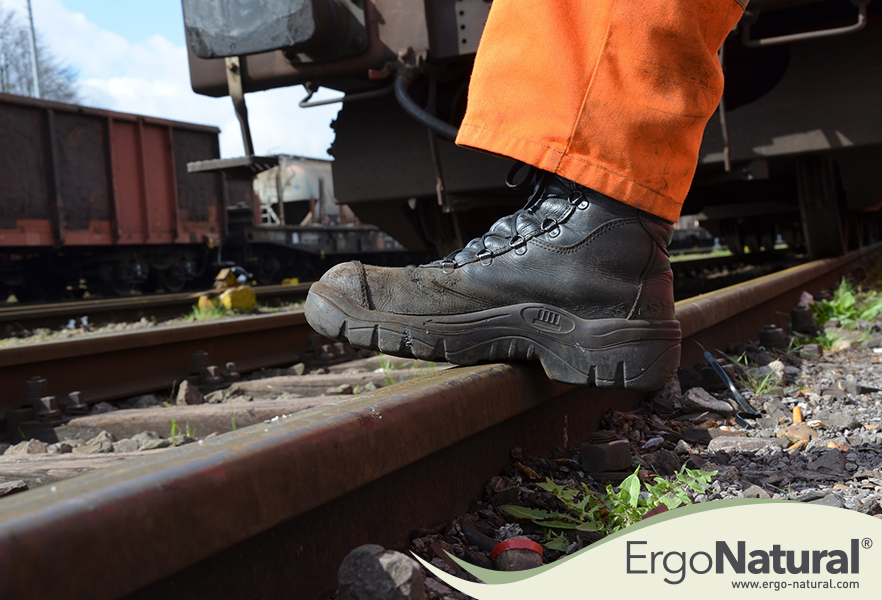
{"type": "Point", "coordinates": [743, 444]}
{"type": "Point", "coordinates": [798, 431]}
{"type": "Point", "coordinates": [12, 487]}
{"type": "Point", "coordinates": [126, 446]}
{"type": "Point", "coordinates": [838, 420]}
{"type": "Point", "coordinates": [150, 440]}
{"type": "Point", "coordinates": [29, 447]}
{"type": "Point", "coordinates": [698, 399]}
{"type": "Point", "coordinates": [145, 401]}
{"type": "Point", "coordinates": [188, 395]}
{"type": "Point", "coordinates": [755, 491]}
{"type": "Point", "coordinates": [59, 448]}
{"type": "Point", "coordinates": [372, 573]}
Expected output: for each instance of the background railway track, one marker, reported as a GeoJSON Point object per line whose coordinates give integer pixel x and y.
{"type": "Point", "coordinates": [150, 360]}
{"type": "Point", "coordinates": [27, 317]}
{"type": "Point", "coordinates": [273, 508]}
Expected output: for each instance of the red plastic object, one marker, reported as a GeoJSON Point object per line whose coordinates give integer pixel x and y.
{"type": "Point", "coordinates": [515, 544]}
{"type": "Point", "coordinates": [379, 74]}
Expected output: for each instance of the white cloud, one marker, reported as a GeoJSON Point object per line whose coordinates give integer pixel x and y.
{"type": "Point", "coordinates": [152, 78]}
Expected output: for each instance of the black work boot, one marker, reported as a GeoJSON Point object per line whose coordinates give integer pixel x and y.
{"type": "Point", "coordinates": [577, 280]}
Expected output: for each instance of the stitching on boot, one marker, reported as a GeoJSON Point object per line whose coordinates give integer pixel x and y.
{"type": "Point", "coordinates": [586, 240]}
{"type": "Point", "coordinates": [642, 280]}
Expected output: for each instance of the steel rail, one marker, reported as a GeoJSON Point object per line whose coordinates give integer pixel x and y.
{"type": "Point", "coordinates": [110, 310]}
{"type": "Point", "coordinates": [270, 510]}
{"type": "Point", "coordinates": [121, 365]}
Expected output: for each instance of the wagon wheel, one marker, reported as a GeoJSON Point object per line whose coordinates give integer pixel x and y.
{"type": "Point", "coordinates": [173, 279]}
{"type": "Point", "coordinates": [113, 283]}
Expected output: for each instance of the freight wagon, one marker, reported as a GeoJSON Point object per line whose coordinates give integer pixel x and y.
{"type": "Point", "coordinates": [102, 199]}
{"type": "Point", "coordinates": [102, 195]}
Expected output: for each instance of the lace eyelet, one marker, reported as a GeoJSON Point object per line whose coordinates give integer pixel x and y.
{"type": "Point", "coordinates": [486, 257]}
{"type": "Point", "coordinates": [551, 227]}
{"type": "Point", "coordinates": [448, 266]}
{"type": "Point", "coordinates": [578, 200]}
{"type": "Point", "coordinates": [519, 244]}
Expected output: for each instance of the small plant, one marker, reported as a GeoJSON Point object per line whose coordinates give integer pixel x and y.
{"type": "Point", "coordinates": [386, 365]}
{"type": "Point", "coordinates": [232, 421]}
{"type": "Point", "coordinates": [191, 431]}
{"type": "Point", "coordinates": [205, 314]}
{"type": "Point", "coordinates": [609, 512]}
{"type": "Point", "coordinates": [848, 306]}
{"type": "Point", "coordinates": [827, 339]}
{"type": "Point", "coordinates": [756, 384]}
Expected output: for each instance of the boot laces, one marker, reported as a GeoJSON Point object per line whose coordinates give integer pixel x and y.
{"type": "Point", "coordinates": [545, 210]}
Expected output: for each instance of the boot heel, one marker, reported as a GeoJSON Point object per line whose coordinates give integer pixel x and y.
{"type": "Point", "coordinates": [640, 367]}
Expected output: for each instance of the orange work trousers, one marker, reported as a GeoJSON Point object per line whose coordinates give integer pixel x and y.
{"type": "Point", "coordinates": [612, 94]}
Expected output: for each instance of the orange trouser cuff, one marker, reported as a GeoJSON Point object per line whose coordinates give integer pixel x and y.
{"type": "Point", "coordinates": [612, 94]}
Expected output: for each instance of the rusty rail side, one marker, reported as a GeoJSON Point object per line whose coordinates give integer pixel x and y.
{"type": "Point", "coordinates": [270, 510]}
{"type": "Point", "coordinates": [198, 500]}
{"type": "Point", "coordinates": [108, 367]}
{"type": "Point", "coordinates": [736, 313]}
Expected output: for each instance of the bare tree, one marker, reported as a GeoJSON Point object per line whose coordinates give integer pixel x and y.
{"type": "Point", "coordinates": [57, 80]}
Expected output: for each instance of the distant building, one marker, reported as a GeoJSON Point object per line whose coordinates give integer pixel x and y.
{"type": "Point", "coordinates": [307, 190]}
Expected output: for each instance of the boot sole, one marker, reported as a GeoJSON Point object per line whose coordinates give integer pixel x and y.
{"type": "Point", "coordinates": [609, 353]}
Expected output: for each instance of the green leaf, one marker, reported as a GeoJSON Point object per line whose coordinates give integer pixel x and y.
{"type": "Point", "coordinates": [631, 485]}
{"type": "Point", "coordinates": [558, 524]}
{"type": "Point", "coordinates": [567, 495]}
{"type": "Point", "coordinates": [560, 544]}
{"type": "Point", "coordinates": [587, 527]}
{"type": "Point", "coordinates": [549, 486]}
{"type": "Point", "coordinates": [523, 512]}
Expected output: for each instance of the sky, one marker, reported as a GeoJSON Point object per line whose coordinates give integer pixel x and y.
{"type": "Point", "coordinates": [131, 57]}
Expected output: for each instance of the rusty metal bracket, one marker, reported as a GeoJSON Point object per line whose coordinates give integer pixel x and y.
{"type": "Point", "coordinates": [237, 94]}
{"type": "Point", "coordinates": [311, 89]}
{"type": "Point", "coordinates": [806, 35]}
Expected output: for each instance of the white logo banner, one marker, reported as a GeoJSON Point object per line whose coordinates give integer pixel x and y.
{"type": "Point", "coordinates": [723, 549]}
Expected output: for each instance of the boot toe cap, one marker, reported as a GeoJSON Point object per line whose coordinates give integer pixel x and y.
{"type": "Point", "coordinates": [349, 280]}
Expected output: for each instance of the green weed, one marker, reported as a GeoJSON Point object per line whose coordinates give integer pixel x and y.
{"type": "Point", "coordinates": [827, 339]}
{"type": "Point", "coordinates": [755, 384]}
{"type": "Point", "coordinates": [848, 306]}
{"type": "Point", "coordinates": [387, 365]}
{"type": "Point", "coordinates": [606, 513]}
{"type": "Point", "coordinates": [205, 314]}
